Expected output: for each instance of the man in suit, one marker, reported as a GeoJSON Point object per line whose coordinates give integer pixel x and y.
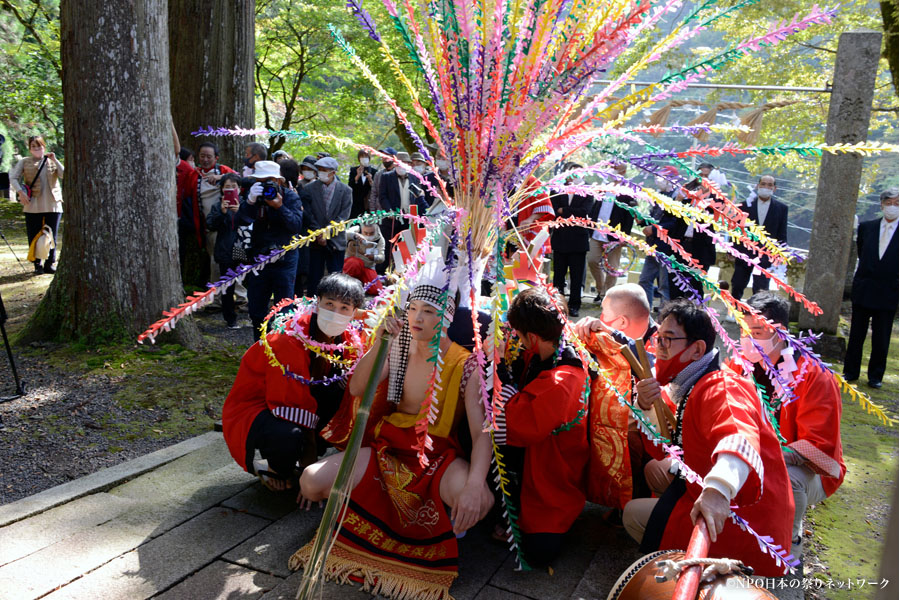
{"type": "Point", "coordinates": [612, 212]}
{"type": "Point", "coordinates": [327, 200]}
{"type": "Point", "coordinates": [398, 191]}
{"type": "Point", "coordinates": [874, 292]}
{"type": "Point", "coordinates": [360, 181]}
{"type": "Point", "coordinates": [570, 244]}
{"type": "Point", "coordinates": [771, 214]}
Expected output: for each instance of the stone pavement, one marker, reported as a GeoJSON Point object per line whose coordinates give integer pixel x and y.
{"type": "Point", "coordinates": [187, 523]}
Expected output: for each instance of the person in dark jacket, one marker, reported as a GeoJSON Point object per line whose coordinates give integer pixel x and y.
{"type": "Point", "coordinates": [398, 190]}
{"type": "Point", "coordinates": [326, 200]}
{"type": "Point", "coordinates": [613, 212]}
{"type": "Point", "coordinates": [223, 219]}
{"type": "Point", "coordinates": [360, 181]}
{"type": "Point", "coordinates": [277, 216]}
{"type": "Point", "coordinates": [308, 174]}
{"type": "Point", "coordinates": [874, 292]}
{"type": "Point", "coordinates": [653, 271]}
{"type": "Point", "coordinates": [570, 244]}
{"type": "Point", "coordinates": [699, 243]}
{"type": "Point", "coordinates": [775, 219]}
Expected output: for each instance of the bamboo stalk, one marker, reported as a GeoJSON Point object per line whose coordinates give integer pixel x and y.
{"type": "Point", "coordinates": [337, 500]}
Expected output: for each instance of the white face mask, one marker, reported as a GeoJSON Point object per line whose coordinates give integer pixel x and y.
{"type": "Point", "coordinates": [371, 238]}
{"type": "Point", "coordinates": [662, 184]}
{"type": "Point", "coordinates": [364, 161]}
{"type": "Point", "coordinates": [400, 171]}
{"type": "Point", "coordinates": [331, 323]}
{"type": "Point", "coordinates": [325, 177]}
{"type": "Point", "coordinates": [765, 193]}
{"type": "Point", "coordinates": [419, 169]}
{"type": "Point", "coordinates": [309, 175]}
{"type": "Point", "coordinates": [443, 165]}
{"type": "Point", "coordinates": [891, 212]}
{"type": "Point", "coordinates": [751, 353]}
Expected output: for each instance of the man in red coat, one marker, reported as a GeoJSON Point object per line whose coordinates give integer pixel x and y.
{"type": "Point", "coordinates": [278, 415]}
{"type": "Point", "coordinates": [726, 439]}
{"type": "Point", "coordinates": [533, 208]}
{"type": "Point", "coordinates": [543, 427]}
{"type": "Point", "coordinates": [808, 402]}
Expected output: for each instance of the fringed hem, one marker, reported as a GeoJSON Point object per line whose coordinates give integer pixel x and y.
{"type": "Point", "coordinates": [341, 565]}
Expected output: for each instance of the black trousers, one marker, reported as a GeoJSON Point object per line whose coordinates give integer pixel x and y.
{"type": "Point", "coordinates": [741, 278]}
{"type": "Point", "coordinates": [228, 311]}
{"type": "Point", "coordinates": [280, 442]}
{"type": "Point", "coordinates": [541, 549]}
{"type": "Point", "coordinates": [34, 222]}
{"type": "Point", "coordinates": [882, 325]}
{"type": "Point", "coordinates": [572, 263]}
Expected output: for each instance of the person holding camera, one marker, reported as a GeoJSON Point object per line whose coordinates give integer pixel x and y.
{"type": "Point", "coordinates": [328, 200]}
{"type": "Point", "coordinates": [40, 195]}
{"type": "Point", "coordinates": [365, 249]}
{"type": "Point", "coordinates": [224, 222]}
{"type": "Point", "coordinates": [277, 215]}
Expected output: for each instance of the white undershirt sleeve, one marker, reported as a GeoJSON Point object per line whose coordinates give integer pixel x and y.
{"type": "Point", "coordinates": [728, 475]}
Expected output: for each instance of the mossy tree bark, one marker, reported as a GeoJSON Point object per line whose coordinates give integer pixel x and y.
{"type": "Point", "coordinates": [211, 54]}
{"type": "Point", "coordinates": [119, 264]}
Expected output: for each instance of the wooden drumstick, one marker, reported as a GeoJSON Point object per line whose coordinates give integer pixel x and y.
{"type": "Point", "coordinates": [642, 367]}
{"type": "Point", "coordinates": [698, 547]}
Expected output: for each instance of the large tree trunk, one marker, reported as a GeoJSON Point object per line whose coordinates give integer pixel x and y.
{"type": "Point", "coordinates": [119, 266]}
{"type": "Point", "coordinates": [211, 52]}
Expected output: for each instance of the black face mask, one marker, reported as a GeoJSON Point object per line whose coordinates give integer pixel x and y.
{"type": "Point", "coordinates": [389, 165]}
{"type": "Point", "coordinates": [248, 163]}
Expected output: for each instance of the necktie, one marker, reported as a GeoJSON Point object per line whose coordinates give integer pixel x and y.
{"type": "Point", "coordinates": [884, 240]}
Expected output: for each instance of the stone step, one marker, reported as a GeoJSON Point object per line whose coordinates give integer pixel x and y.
{"type": "Point", "coordinates": [270, 549]}
{"type": "Point", "coordinates": [30, 535]}
{"type": "Point", "coordinates": [166, 560]}
{"type": "Point", "coordinates": [100, 481]}
{"type": "Point", "coordinates": [155, 506]}
{"type": "Point", "coordinates": [222, 581]}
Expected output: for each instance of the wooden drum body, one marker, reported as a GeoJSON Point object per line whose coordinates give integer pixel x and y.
{"type": "Point", "coordinates": [638, 582]}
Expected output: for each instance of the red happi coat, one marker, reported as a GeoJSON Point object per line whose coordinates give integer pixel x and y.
{"type": "Point", "coordinates": [535, 204]}
{"type": "Point", "coordinates": [259, 386]}
{"type": "Point", "coordinates": [724, 414]}
{"type": "Point", "coordinates": [811, 424]}
{"type": "Point", "coordinates": [186, 186]}
{"type": "Point", "coordinates": [609, 473]}
{"type": "Point", "coordinates": [553, 477]}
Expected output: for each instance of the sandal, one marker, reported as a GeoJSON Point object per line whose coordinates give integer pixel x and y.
{"type": "Point", "coordinates": [268, 479]}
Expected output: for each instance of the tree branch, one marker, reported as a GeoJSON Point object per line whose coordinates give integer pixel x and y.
{"type": "Point", "coordinates": [814, 47]}
{"type": "Point", "coordinates": [28, 24]}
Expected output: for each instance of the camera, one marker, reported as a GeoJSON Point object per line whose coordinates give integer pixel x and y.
{"type": "Point", "coordinates": [269, 190]}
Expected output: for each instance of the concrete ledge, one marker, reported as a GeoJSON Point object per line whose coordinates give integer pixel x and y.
{"type": "Point", "coordinates": [101, 480]}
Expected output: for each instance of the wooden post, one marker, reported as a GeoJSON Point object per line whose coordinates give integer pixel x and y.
{"type": "Point", "coordinates": [848, 123]}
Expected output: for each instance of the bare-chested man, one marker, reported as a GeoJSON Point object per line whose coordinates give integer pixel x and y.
{"type": "Point", "coordinates": [463, 486]}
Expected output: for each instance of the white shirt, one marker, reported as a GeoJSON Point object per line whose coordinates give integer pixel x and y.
{"type": "Point", "coordinates": [210, 193]}
{"type": "Point", "coordinates": [886, 232]}
{"type": "Point", "coordinates": [404, 192]}
{"type": "Point", "coordinates": [762, 209]}
{"type": "Point", "coordinates": [605, 211]}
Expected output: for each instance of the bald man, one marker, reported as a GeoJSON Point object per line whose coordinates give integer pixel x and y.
{"type": "Point", "coordinates": [616, 470]}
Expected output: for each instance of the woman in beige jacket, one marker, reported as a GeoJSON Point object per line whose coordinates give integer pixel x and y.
{"type": "Point", "coordinates": [43, 205]}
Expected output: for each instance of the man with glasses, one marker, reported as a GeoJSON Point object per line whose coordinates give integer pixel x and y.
{"type": "Point", "coordinates": [726, 440]}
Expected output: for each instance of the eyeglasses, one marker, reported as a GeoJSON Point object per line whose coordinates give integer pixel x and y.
{"type": "Point", "coordinates": [666, 342]}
